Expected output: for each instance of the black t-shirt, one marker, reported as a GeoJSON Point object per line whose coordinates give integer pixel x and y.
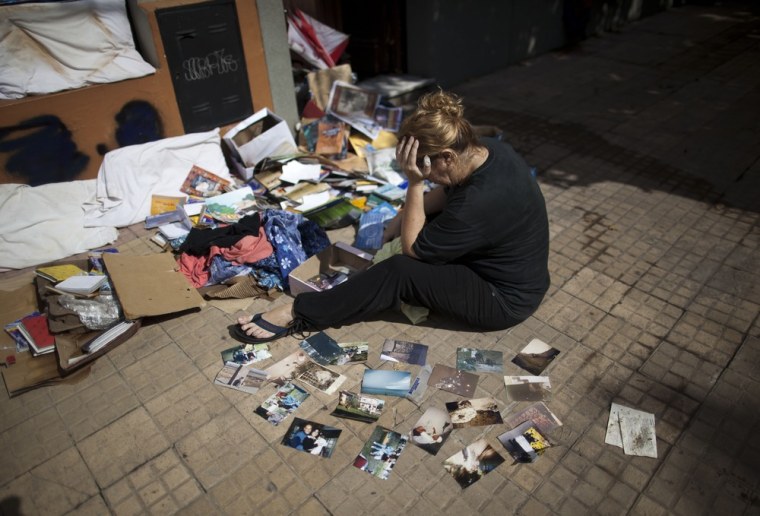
{"type": "Point", "coordinates": [496, 224]}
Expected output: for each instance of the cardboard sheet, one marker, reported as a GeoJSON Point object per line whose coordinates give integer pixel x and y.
{"type": "Point", "coordinates": [150, 285]}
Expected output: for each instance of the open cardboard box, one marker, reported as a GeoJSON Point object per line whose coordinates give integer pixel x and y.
{"type": "Point", "coordinates": [259, 136]}
{"type": "Point", "coordinates": [334, 258]}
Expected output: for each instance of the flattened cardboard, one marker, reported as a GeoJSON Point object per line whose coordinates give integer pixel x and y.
{"type": "Point", "coordinates": [150, 285]}
{"type": "Point", "coordinates": [31, 372]}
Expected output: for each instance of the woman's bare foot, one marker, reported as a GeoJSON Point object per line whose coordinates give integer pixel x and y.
{"type": "Point", "coordinates": [280, 316]}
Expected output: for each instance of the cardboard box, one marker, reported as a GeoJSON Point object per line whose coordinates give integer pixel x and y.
{"type": "Point", "coordinates": [259, 136]}
{"type": "Point", "coordinates": [330, 260]}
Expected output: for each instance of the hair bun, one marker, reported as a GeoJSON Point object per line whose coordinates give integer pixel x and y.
{"type": "Point", "coordinates": [442, 102]}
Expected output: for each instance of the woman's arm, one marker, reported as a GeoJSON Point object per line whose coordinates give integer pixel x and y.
{"type": "Point", "coordinates": [434, 202]}
{"type": "Point", "coordinates": [414, 208]}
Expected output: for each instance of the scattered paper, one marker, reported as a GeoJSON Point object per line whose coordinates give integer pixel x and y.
{"type": "Point", "coordinates": [633, 430]}
{"type": "Point", "coordinates": [295, 171]}
{"type": "Point", "coordinates": [309, 202]}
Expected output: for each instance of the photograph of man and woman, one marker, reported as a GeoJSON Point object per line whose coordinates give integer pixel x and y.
{"type": "Point", "coordinates": [312, 437]}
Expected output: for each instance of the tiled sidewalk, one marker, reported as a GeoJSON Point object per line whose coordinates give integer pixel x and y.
{"type": "Point", "coordinates": [647, 144]}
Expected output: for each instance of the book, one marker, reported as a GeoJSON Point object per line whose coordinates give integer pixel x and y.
{"type": "Point", "coordinates": [164, 203]}
{"type": "Point", "coordinates": [82, 285]}
{"type": "Point", "coordinates": [332, 138]}
{"type": "Point", "coordinates": [203, 183]}
{"type": "Point", "coordinates": [107, 336]}
{"type": "Point", "coordinates": [56, 273]}
{"type": "Point", "coordinates": [35, 330]}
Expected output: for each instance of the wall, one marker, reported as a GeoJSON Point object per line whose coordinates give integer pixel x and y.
{"type": "Point", "coordinates": [453, 41]}
{"type": "Point", "coordinates": [71, 130]}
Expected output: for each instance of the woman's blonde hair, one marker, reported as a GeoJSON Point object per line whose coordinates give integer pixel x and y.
{"type": "Point", "coordinates": [438, 123]}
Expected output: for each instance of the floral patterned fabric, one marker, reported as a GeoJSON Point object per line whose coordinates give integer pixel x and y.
{"type": "Point", "coordinates": [294, 239]}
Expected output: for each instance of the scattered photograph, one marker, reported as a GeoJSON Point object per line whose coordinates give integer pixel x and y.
{"type": "Point", "coordinates": [246, 354]}
{"type": "Point", "coordinates": [386, 383]}
{"type": "Point", "coordinates": [477, 412]}
{"type": "Point", "coordinates": [380, 452]}
{"type": "Point", "coordinates": [431, 430]}
{"type": "Point", "coordinates": [452, 380]}
{"type": "Point", "coordinates": [355, 106]}
{"type": "Point", "coordinates": [231, 206]}
{"type": "Point", "coordinates": [321, 378]}
{"type": "Point", "coordinates": [358, 407]}
{"type": "Point", "coordinates": [633, 430]}
{"type": "Point", "coordinates": [352, 352]}
{"type": "Point", "coordinates": [419, 386]}
{"type": "Point", "coordinates": [241, 378]}
{"type": "Point", "coordinates": [473, 463]}
{"type": "Point", "coordinates": [312, 437]}
{"type": "Point", "coordinates": [321, 348]}
{"type": "Point", "coordinates": [402, 351]}
{"type": "Point", "coordinates": [282, 403]}
{"type": "Point", "coordinates": [536, 356]}
{"type": "Point", "coordinates": [524, 443]}
{"type": "Point", "coordinates": [202, 183]}
{"type": "Point", "coordinates": [288, 368]}
{"type": "Point", "coordinates": [480, 360]}
{"type": "Point", "coordinates": [539, 413]}
{"type": "Point", "coordinates": [528, 388]}
{"type": "Point", "coordinates": [389, 117]}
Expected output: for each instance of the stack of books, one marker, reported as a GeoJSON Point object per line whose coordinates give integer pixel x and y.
{"type": "Point", "coordinates": [32, 332]}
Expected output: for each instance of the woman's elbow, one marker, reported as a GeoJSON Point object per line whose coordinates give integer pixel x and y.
{"type": "Point", "coordinates": [408, 250]}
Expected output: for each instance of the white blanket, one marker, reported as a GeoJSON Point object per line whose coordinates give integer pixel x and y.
{"type": "Point", "coordinates": [130, 175]}
{"type": "Point", "coordinates": [45, 223]}
{"type": "Point", "coordinates": [48, 47]}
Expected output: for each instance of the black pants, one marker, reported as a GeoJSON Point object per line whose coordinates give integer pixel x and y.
{"type": "Point", "coordinates": [450, 290]}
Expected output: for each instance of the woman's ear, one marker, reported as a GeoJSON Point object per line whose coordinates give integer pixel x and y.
{"type": "Point", "coordinates": [449, 156]}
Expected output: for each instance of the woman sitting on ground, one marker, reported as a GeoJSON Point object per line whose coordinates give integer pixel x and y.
{"type": "Point", "coordinates": [481, 260]}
